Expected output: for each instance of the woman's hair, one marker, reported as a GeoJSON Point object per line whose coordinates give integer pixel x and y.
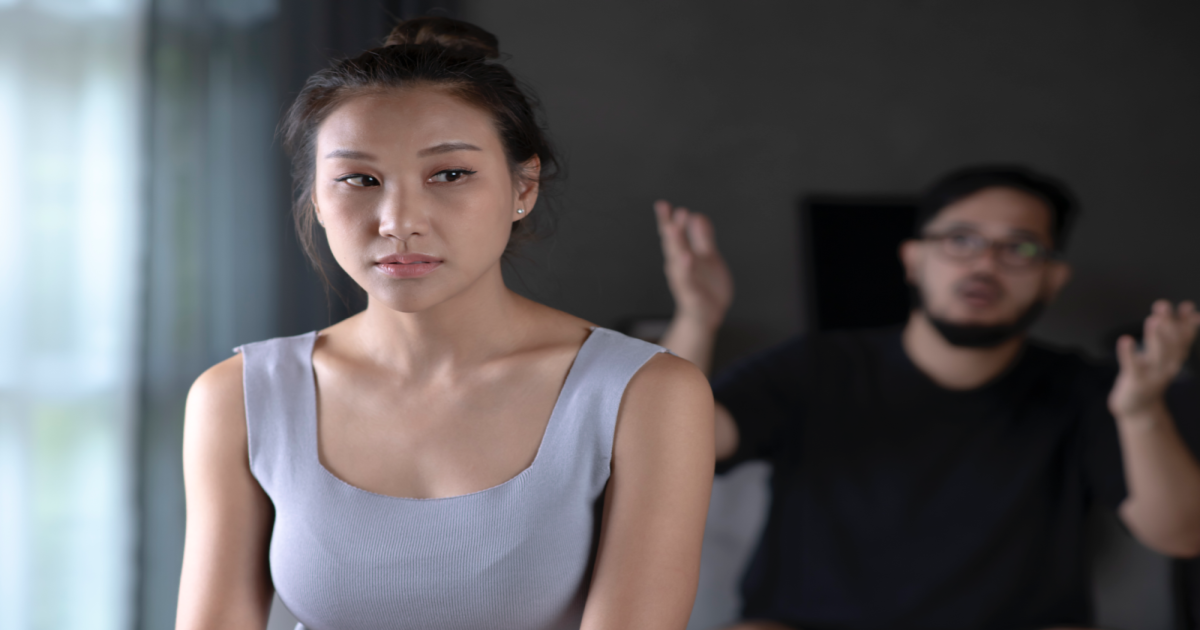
{"type": "Point", "coordinates": [429, 51]}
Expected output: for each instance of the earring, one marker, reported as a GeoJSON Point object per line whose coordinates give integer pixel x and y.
{"type": "Point", "coordinates": [520, 210]}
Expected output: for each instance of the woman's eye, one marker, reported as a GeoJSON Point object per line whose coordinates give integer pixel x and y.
{"type": "Point", "coordinates": [360, 181]}
{"type": "Point", "coordinates": [451, 175]}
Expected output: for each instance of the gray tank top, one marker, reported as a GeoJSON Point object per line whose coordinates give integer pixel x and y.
{"type": "Point", "coordinates": [517, 555]}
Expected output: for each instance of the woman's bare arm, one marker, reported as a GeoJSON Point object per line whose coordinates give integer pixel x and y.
{"type": "Point", "coordinates": [648, 561]}
{"type": "Point", "coordinates": [225, 583]}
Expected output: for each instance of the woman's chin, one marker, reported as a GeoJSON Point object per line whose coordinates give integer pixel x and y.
{"type": "Point", "coordinates": [406, 301]}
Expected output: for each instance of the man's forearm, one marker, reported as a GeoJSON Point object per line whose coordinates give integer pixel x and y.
{"type": "Point", "coordinates": [691, 339]}
{"type": "Point", "coordinates": [1163, 479]}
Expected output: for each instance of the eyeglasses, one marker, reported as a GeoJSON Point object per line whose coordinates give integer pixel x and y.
{"type": "Point", "coordinates": [1019, 254]}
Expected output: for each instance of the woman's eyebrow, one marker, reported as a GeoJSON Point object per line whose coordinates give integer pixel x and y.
{"type": "Point", "coordinates": [447, 147]}
{"type": "Point", "coordinates": [349, 154]}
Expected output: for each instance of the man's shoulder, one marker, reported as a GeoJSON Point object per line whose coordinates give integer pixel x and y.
{"type": "Point", "coordinates": [830, 345]}
{"type": "Point", "coordinates": [857, 349]}
{"type": "Point", "coordinates": [856, 339]}
{"type": "Point", "coordinates": [1065, 364]}
{"type": "Point", "coordinates": [1066, 357]}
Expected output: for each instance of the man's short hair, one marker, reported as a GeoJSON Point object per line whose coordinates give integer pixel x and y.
{"type": "Point", "coordinates": [967, 181]}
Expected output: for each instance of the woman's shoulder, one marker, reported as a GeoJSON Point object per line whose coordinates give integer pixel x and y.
{"type": "Point", "coordinates": [223, 382]}
{"type": "Point", "coordinates": [219, 382]}
{"type": "Point", "coordinates": [667, 377]}
{"type": "Point", "coordinates": [276, 344]}
{"type": "Point", "coordinates": [215, 416]}
{"type": "Point", "coordinates": [666, 415]}
{"type": "Point", "coordinates": [218, 393]}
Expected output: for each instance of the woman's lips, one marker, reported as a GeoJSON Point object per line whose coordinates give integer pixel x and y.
{"type": "Point", "coordinates": [408, 265]}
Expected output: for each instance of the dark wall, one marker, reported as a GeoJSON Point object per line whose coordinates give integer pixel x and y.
{"type": "Point", "coordinates": [737, 109]}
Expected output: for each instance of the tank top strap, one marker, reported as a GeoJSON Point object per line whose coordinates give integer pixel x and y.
{"type": "Point", "coordinates": [280, 409]}
{"type": "Point", "coordinates": [585, 419]}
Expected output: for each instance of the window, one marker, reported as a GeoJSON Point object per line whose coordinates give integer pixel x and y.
{"type": "Point", "coordinates": [70, 235]}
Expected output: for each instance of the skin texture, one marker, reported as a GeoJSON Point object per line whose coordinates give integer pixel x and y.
{"type": "Point", "coordinates": [1163, 506]}
{"type": "Point", "coordinates": [444, 384]}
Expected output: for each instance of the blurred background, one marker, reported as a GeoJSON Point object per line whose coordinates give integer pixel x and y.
{"type": "Point", "coordinates": [145, 227]}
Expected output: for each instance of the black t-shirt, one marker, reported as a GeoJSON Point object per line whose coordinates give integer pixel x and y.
{"type": "Point", "coordinates": [898, 504]}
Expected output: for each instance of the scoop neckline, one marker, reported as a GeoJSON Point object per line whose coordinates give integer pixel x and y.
{"type": "Point", "coordinates": [551, 423]}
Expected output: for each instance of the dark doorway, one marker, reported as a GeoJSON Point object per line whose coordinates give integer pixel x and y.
{"type": "Point", "coordinates": [854, 278]}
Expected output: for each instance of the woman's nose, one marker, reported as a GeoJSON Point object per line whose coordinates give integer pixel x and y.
{"type": "Point", "coordinates": [402, 215]}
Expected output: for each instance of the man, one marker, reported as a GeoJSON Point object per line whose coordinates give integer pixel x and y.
{"type": "Point", "coordinates": [937, 476]}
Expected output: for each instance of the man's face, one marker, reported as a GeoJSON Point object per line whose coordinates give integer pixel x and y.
{"type": "Point", "coordinates": [964, 284]}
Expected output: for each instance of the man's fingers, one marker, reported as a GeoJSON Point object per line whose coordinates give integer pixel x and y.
{"type": "Point", "coordinates": [671, 229]}
{"type": "Point", "coordinates": [701, 235]}
{"type": "Point", "coordinates": [1167, 339]}
{"type": "Point", "coordinates": [1179, 325]}
{"type": "Point", "coordinates": [1154, 341]}
{"type": "Point", "coordinates": [1126, 352]}
{"type": "Point", "coordinates": [679, 216]}
{"type": "Point", "coordinates": [662, 213]}
{"type": "Point", "coordinates": [1189, 320]}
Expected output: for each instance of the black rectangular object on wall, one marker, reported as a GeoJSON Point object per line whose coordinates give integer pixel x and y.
{"type": "Point", "coordinates": [853, 277]}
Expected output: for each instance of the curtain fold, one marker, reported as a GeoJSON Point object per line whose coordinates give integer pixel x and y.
{"type": "Point", "coordinates": [215, 228]}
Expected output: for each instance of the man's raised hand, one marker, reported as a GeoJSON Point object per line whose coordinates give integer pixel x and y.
{"type": "Point", "coordinates": [1146, 372]}
{"type": "Point", "coordinates": [696, 273]}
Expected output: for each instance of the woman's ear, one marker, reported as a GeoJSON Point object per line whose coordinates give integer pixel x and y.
{"type": "Point", "coordinates": [527, 188]}
{"type": "Point", "coordinates": [312, 199]}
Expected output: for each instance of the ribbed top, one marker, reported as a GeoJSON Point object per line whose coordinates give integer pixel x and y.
{"type": "Point", "coordinates": [517, 555]}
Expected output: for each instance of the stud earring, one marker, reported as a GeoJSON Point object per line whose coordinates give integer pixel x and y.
{"type": "Point", "coordinates": [520, 210]}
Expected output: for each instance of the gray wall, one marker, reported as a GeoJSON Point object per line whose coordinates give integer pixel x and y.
{"type": "Point", "coordinates": [737, 109]}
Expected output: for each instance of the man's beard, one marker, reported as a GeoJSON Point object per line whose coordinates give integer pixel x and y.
{"type": "Point", "coordinates": [981, 335]}
{"type": "Point", "coordinates": [986, 336]}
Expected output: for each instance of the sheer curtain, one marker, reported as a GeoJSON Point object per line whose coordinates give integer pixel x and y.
{"type": "Point", "coordinates": [70, 229]}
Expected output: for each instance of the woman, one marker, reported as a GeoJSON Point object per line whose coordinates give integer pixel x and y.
{"type": "Point", "coordinates": [455, 456]}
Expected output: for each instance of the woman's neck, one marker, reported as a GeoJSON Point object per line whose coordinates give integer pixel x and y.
{"type": "Point", "coordinates": [485, 320]}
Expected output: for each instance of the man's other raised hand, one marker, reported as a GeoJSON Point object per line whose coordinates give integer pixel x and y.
{"type": "Point", "coordinates": [1167, 340]}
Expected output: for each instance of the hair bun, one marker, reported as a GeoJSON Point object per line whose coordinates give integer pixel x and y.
{"type": "Point", "coordinates": [456, 36]}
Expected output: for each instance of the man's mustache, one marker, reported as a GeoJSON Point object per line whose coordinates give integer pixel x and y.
{"type": "Point", "coordinates": [979, 280]}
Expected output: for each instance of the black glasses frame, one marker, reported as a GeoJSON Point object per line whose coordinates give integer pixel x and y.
{"type": "Point", "coordinates": [1007, 253]}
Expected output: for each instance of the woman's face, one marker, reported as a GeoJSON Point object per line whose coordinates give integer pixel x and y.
{"type": "Point", "coordinates": [416, 195]}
